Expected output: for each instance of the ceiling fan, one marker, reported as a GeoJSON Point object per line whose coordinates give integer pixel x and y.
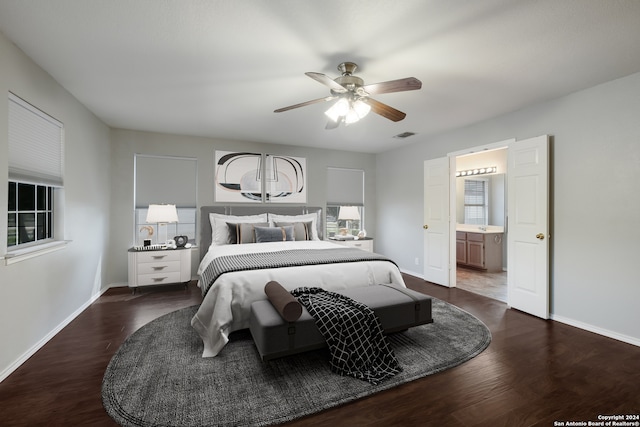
{"type": "Point", "coordinates": [354, 101]}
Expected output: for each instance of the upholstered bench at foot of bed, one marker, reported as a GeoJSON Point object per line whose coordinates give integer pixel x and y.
{"type": "Point", "coordinates": [397, 308]}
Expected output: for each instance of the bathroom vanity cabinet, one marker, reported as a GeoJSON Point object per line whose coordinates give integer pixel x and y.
{"type": "Point", "coordinates": [481, 250]}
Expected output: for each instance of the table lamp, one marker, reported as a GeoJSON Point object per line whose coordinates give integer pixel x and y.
{"type": "Point", "coordinates": [162, 215]}
{"type": "Point", "coordinates": [349, 213]}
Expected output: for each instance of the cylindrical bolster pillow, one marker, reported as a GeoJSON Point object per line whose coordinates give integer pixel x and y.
{"type": "Point", "coordinates": [284, 303]}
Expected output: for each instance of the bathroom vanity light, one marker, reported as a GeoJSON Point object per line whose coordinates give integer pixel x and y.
{"type": "Point", "coordinates": [478, 171]}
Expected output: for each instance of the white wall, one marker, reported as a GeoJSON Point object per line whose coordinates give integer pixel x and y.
{"type": "Point", "coordinates": [40, 294]}
{"type": "Point", "coordinates": [595, 148]}
{"type": "Point", "coordinates": [126, 143]}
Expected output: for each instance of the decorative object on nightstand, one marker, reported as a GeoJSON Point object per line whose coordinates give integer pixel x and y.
{"type": "Point", "coordinates": [149, 230]}
{"type": "Point", "coordinates": [181, 241]}
{"type": "Point", "coordinates": [162, 215]}
{"type": "Point", "coordinates": [161, 266]}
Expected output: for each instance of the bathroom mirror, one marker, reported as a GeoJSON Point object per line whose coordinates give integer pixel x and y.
{"type": "Point", "coordinates": [489, 190]}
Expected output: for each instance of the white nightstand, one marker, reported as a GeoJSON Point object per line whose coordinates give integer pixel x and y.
{"type": "Point", "coordinates": [365, 243]}
{"type": "Point", "coordinates": [149, 268]}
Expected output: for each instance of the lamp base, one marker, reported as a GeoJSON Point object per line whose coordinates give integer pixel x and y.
{"type": "Point", "coordinates": [162, 234]}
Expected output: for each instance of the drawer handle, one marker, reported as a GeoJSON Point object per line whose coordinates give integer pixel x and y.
{"type": "Point", "coordinates": [158, 256]}
{"type": "Point", "coordinates": [158, 279]}
{"type": "Point", "coordinates": [160, 268]}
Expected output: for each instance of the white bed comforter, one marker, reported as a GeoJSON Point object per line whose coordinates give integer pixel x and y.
{"type": "Point", "coordinates": [226, 306]}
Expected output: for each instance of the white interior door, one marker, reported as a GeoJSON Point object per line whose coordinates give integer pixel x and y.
{"type": "Point", "coordinates": [528, 226]}
{"type": "Point", "coordinates": [436, 221]}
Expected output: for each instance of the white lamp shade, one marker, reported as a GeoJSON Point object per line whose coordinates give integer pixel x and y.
{"type": "Point", "coordinates": [349, 213]}
{"type": "Point", "coordinates": [339, 109]}
{"type": "Point", "coordinates": [358, 110]}
{"type": "Point", "coordinates": [349, 109]}
{"type": "Point", "coordinates": [162, 214]}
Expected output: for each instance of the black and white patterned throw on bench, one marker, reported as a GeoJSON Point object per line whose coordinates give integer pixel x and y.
{"type": "Point", "coordinates": [353, 333]}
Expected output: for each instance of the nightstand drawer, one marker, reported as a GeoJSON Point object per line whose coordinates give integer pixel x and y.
{"type": "Point", "coordinates": [158, 256]}
{"type": "Point", "coordinates": [159, 267]}
{"type": "Point", "coordinates": [158, 278]}
{"type": "Point", "coordinates": [366, 245]}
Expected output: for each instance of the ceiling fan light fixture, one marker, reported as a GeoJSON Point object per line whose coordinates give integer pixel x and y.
{"type": "Point", "coordinates": [339, 109]}
{"type": "Point", "coordinates": [361, 108]}
{"type": "Point", "coordinates": [348, 110]}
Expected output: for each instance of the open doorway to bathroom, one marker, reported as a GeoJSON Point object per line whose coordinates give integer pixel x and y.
{"type": "Point", "coordinates": [481, 217]}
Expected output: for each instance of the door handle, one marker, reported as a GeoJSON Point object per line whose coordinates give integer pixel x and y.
{"type": "Point", "coordinates": [425, 226]}
{"type": "Point", "coordinates": [540, 236]}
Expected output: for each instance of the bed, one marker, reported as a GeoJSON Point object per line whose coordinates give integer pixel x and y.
{"type": "Point", "coordinates": [233, 276]}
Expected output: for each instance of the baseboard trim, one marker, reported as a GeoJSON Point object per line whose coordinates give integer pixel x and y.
{"type": "Point", "coordinates": [571, 322]}
{"type": "Point", "coordinates": [412, 273]}
{"type": "Point", "coordinates": [37, 346]}
{"type": "Point", "coordinates": [596, 330]}
{"type": "Point", "coordinates": [119, 285]}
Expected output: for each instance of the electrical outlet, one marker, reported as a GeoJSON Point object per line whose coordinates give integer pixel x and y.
{"type": "Point", "coordinates": [417, 261]}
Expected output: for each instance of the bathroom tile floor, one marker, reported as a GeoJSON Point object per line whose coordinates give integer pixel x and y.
{"type": "Point", "coordinates": [492, 285]}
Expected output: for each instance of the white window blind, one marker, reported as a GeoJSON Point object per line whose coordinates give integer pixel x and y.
{"type": "Point", "coordinates": [345, 187]}
{"type": "Point", "coordinates": [164, 179]}
{"type": "Point", "coordinates": [475, 202]}
{"type": "Point", "coordinates": [35, 144]}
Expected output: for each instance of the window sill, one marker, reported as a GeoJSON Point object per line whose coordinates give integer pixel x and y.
{"type": "Point", "coordinates": [34, 251]}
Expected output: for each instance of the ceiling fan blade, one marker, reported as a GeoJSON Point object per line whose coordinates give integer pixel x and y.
{"type": "Point", "coordinates": [400, 85]}
{"type": "Point", "coordinates": [304, 104]}
{"type": "Point", "coordinates": [327, 81]}
{"type": "Point", "coordinates": [384, 110]}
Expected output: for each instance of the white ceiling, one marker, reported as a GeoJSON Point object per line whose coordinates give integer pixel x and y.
{"type": "Point", "coordinates": [218, 68]}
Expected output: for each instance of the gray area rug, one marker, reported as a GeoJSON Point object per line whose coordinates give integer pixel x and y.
{"type": "Point", "coordinates": [158, 377]}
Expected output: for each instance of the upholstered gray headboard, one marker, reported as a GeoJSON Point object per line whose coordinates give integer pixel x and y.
{"type": "Point", "coordinates": [205, 224]}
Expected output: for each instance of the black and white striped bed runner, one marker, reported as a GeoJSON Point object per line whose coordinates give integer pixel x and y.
{"type": "Point", "coordinates": [353, 333]}
{"type": "Point", "coordinates": [285, 258]}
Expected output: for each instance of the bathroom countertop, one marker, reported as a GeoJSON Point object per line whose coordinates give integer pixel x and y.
{"type": "Point", "coordinates": [483, 229]}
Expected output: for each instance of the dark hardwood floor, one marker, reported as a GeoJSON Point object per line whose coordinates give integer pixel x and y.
{"type": "Point", "coordinates": [534, 372]}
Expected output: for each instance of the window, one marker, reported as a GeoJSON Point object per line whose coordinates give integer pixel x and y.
{"type": "Point", "coordinates": [476, 206]}
{"type": "Point", "coordinates": [30, 213]}
{"type": "Point", "coordinates": [345, 201]}
{"type": "Point", "coordinates": [35, 174]}
{"type": "Point", "coordinates": [336, 225]}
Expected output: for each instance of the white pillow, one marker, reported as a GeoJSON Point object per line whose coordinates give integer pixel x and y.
{"type": "Point", "coordinates": [313, 217]}
{"type": "Point", "coordinates": [219, 229]}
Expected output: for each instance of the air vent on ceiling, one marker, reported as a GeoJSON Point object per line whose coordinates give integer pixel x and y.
{"type": "Point", "coordinates": [404, 135]}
